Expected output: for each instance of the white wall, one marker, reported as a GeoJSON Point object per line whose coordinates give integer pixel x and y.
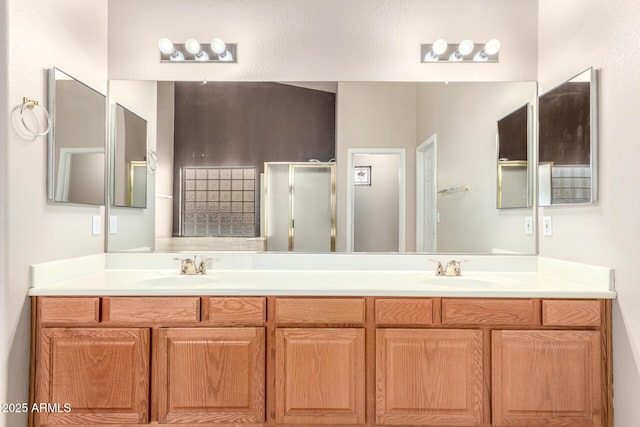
{"type": "Point", "coordinates": [573, 35]}
{"type": "Point", "coordinates": [464, 116]}
{"type": "Point", "coordinates": [136, 226]}
{"type": "Point", "coordinates": [4, 317]}
{"type": "Point", "coordinates": [164, 171]}
{"type": "Point", "coordinates": [71, 35]}
{"type": "Point", "coordinates": [322, 40]}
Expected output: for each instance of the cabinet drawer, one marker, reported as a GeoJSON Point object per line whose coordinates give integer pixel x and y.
{"type": "Point", "coordinates": [570, 313]}
{"type": "Point", "coordinates": [151, 309]}
{"type": "Point", "coordinates": [234, 311]}
{"type": "Point", "coordinates": [320, 310]}
{"type": "Point", "coordinates": [411, 311]}
{"type": "Point", "coordinates": [69, 310]}
{"type": "Point", "coordinates": [490, 311]}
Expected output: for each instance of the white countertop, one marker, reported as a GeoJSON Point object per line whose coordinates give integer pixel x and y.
{"type": "Point", "coordinates": [244, 274]}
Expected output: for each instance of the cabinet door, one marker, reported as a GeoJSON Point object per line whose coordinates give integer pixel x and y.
{"type": "Point", "coordinates": [211, 375]}
{"type": "Point", "coordinates": [544, 378]}
{"type": "Point", "coordinates": [102, 374]}
{"type": "Point", "coordinates": [320, 376]}
{"type": "Point", "coordinates": [429, 377]}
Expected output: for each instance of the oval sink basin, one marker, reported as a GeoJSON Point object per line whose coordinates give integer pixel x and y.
{"type": "Point", "coordinates": [459, 281]}
{"type": "Point", "coordinates": [179, 281]}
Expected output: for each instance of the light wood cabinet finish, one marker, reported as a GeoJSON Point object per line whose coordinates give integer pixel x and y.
{"type": "Point", "coordinates": [570, 313]}
{"type": "Point", "coordinates": [229, 311]}
{"type": "Point", "coordinates": [132, 310]}
{"type": "Point", "coordinates": [404, 311]}
{"type": "Point", "coordinates": [546, 378]}
{"type": "Point", "coordinates": [211, 375]}
{"type": "Point", "coordinates": [429, 377]}
{"type": "Point", "coordinates": [320, 310]}
{"type": "Point", "coordinates": [473, 311]}
{"type": "Point", "coordinates": [320, 376]}
{"type": "Point", "coordinates": [103, 374]}
{"type": "Point", "coordinates": [367, 361]}
{"type": "Point", "coordinates": [69, 310]}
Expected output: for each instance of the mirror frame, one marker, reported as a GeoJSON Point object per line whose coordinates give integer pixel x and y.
{"type": "Point", "coordinates": [52, 169]}
{"type": "Point", "coordinates": [593, 139]}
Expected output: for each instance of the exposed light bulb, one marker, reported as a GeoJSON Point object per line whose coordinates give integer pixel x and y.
{"type": "Point", "coordinates": [219, 47]}
{"type": "Point", "coordinates": [492, 47]}
{"type": "Point", "coordinates": [437, 48]}
{"type": "Point", "coordinates": [165, 46]}
{"type": "Point", "coordinates": [192, 46]}
{"type": "Point", "coordinates": [465, 47]}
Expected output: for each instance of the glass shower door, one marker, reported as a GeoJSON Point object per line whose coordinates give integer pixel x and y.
{"type": "Point", "coordinates": [313, 208]}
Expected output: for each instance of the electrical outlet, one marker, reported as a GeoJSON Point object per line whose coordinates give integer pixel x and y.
{"type": "Point", "coordinates": [528, 225]}
{"type": "Point", "coordinates": [547, 226]}
{"type": "Point", "coordinates": [113, 224]}
{"type": "Point", "coordinates": [96, 227]}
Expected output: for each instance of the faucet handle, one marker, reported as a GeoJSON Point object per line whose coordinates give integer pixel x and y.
{"type": "Point", "coordinates": [439, 268]}
{"type": "Point", "coordinates": [202, 269]}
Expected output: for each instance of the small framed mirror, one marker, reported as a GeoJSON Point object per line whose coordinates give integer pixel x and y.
{"type": "Point", "coordinates": [514, 171]}
{"type": "Point", "coordinates": [129, 158]}
{"type": "Point", "coordinates": [76, 145]}
{"type": "Point", "coordinates": [568, 142]}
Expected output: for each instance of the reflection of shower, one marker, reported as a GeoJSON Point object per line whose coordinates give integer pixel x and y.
{"type": "Point", "coordinates": [300, 206]}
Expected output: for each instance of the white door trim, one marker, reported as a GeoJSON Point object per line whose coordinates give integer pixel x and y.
{"type": "Point", "coordinates": [430, 143]}
{"type": "Point", "coordinates": [402, 193]}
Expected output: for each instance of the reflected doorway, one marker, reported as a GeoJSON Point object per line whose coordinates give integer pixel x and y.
{"type": "Point", "coordinates": [426, 195]}
{"type": "Point", "coordinates": [376, 200]}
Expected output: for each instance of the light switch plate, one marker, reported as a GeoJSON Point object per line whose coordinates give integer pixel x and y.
{"type": "Point", "coordinates": [95, 225]}
{"type": "Point", "coordinates": [528, 225]}
{"type": "Point", "coordinates": [547, 226]}
{"type": "Point", "coordinates": [113, 224]}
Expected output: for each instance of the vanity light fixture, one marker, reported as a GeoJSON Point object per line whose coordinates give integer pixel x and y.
{"type": "Point", "coordinates": [464, 52]}
{"type": "Point", "coordinates": [194, 51]}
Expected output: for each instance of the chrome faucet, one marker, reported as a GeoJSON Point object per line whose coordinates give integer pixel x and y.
{"type": "Point", "coordinates": [188, 265]}
{"type": "Point", "coordinates": [452, 269]}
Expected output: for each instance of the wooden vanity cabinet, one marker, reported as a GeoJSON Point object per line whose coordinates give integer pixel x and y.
{"type": "Point", "coordinates": [366, 361]}
{"type": "Point", "coordinates": [320, 361]}
{"type": "Point", "coordinates": [429, 377]}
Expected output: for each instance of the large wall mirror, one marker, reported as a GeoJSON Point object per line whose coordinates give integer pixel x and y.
{"type": "Point", "coordinates": [213, 139]}
{"type": "Point", "coordinates": [129, 158]}
{"type": "Point", "coordinates": [76, 145]}
{"type": "Point", "coordinates": [568, 142]}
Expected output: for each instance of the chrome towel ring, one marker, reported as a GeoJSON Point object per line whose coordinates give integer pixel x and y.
{"type": "Point", "coordinates": [31, 105]}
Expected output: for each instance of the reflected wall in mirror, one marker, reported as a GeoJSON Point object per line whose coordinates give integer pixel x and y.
{"type": "Point", "coordinates": [568, 143]}
{"type": "Point", "coordinates": [514, 171]}
{"type": "Point", "coordinates": [367, 115]}
{"type": "Point", "coordinates": [129, 158]}
{"type": "Point", "coordinates": [76, 144]}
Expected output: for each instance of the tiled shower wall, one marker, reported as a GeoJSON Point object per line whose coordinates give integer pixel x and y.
{"type": "Point", "coordinates": [218, 201]}
{"type": "Point", "coordinates": [571, 184]}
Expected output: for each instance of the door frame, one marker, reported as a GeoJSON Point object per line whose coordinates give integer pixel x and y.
{"type": "Point", "coordinates": [421, 150]}
{"type": "Point", "coordinates": [402, 194]}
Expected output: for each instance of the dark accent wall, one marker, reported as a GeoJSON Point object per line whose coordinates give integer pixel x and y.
{"type": "Point", "coordinates": [564, 125]}
{"type": "Point", "coordinates": [512, 135]}
{"type": "Point", "coordinates": [247, 124]}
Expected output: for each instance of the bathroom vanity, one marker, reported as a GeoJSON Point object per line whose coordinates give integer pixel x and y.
{"type": "Point", "coordinates": [524, 346]}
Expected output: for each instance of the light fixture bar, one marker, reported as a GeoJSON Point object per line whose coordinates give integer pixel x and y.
{"type": "Point", "coordinates": [480, 52]}
{"type": "Point", "coordinates": [230, 55]}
